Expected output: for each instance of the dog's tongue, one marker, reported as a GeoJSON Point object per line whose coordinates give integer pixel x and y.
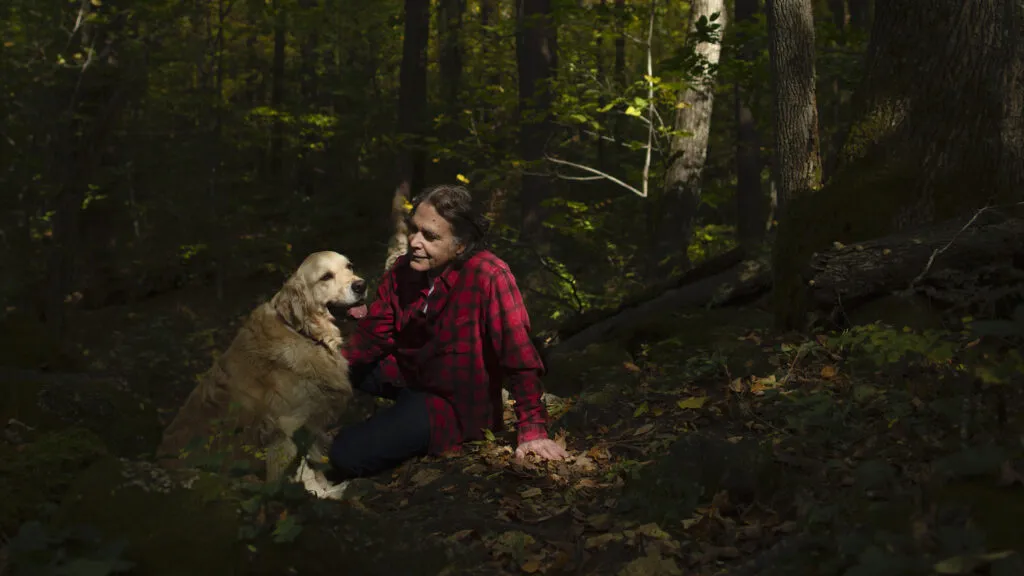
{"type": "Point", "coordinates": [357, 311]}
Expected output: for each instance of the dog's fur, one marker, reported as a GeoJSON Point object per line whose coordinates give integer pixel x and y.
{"type": "Point", "coordinates": [284, 370]}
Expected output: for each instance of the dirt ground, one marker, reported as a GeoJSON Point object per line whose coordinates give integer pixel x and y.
{"type": "Point", "coordinates": [718, 448]}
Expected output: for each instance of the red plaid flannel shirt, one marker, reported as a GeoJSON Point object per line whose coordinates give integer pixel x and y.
{"type": "Point", "coordinates": [474, 334]}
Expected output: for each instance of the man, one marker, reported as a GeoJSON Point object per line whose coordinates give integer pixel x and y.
{"type": "Point", "coordinates": [448, 326]}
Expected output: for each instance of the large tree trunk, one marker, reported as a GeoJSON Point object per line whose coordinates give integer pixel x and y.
{"type": "Point", "coordinates": [750, 213]}
{"type": "Point", "coordinates": [412, 99]}
{"type": "Point", "coordinates": [939, 131]}
{"type": "Point", "coordinates": [797, 162]}
{"type": "Point", "coordinates": [688, 152]}
{"type": "Point", "coordinates": [537, 53]}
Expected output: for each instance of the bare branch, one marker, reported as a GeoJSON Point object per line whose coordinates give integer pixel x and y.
{"type": "Point", "coordinates": [935, 253]}
{"type": "Point", "coordinates": [599, 173]}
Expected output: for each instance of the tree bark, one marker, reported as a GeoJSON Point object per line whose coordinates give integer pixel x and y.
{"type": "Point", "coordinates": [412, 99]}
{"type": "Point", "coordinates": [750, 200]}
{"type": "Point", "coordinates": [797, 160]}
{"type": "Point", "coordinates": [536, 53]}
{"type": "Point", "coordinates": [688, 151]}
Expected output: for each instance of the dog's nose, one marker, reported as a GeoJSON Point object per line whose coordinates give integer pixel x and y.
{"type": "Point", "coordinates": [359, 287]}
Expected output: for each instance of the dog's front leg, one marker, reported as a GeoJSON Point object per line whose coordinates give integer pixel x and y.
{"type": "Point", "coordinates": [280, 455]}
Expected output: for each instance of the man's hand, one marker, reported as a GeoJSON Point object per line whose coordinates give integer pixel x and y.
{"type": "Point", "coordinates": [546, 448]}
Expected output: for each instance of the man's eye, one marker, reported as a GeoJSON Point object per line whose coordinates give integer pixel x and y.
{"type": "Point", "coordinates": [327, 276]}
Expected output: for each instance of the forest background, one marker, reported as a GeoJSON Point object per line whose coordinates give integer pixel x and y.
{"type": "Point", "coordinates": [833, 184]}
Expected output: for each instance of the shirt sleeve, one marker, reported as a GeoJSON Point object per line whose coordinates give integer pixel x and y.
{"type": "Point", "coordinates": [508, 327]}
{"type": "Point", "coordinates": [374, 336]}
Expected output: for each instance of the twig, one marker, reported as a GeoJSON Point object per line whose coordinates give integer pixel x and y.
{"type": "Point", "coordinates": [599, 173]}
{"type": "Point", "coordinates": [938, 251]}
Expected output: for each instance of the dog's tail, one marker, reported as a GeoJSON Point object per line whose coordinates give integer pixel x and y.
{"type": "Point", "coordinates": [399, 243]}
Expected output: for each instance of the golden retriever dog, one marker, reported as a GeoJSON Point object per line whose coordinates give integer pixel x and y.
{"type": "Point", "coordinates": [283, 371]}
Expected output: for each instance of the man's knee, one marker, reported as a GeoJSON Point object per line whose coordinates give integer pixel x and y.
{"type": "Point", "coordinates": [385, 440]}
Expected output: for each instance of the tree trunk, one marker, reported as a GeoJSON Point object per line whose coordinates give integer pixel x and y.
{"type": "Point", "coordinates": [939, 132]}
{"type": "Point", "coordinates": [277, 96]}
{"type": "Point", "coordinates": [449, 35]}
{"type": "Point", "coordinates": [94, 109]}
{"type": "Point", "coordinates": [687, 152]}
{"type": "Point", "coordinates": [536, 53]}
{"type": "Point", "coordinates": [797, 161]}
{"type": "Point", "coordinates": [619, 72]}
{"type": "Point", "coordinates": [450, 22]}
{"type": "Point", "coordinates": [412, 99]}
{"type": "Point", "coordinates": [750, 201]}
{"type": "Point", "coordinates": [860, 14]}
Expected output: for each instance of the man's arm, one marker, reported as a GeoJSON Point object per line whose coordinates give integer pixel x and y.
{"type": "Point", "coordinates": [374, 335]}
{"type": "Point", "coordinates": [508, 327]}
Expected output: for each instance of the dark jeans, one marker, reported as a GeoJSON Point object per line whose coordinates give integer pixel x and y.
{"type": "Point", "coordinates": [386, 439]}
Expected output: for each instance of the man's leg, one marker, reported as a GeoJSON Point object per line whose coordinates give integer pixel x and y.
{"type": "Point", "coordinates": [385, 440]}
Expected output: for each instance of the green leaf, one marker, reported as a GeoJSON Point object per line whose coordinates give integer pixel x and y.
{"type": "Point", "coordinates": [641, 410]}
{"type": "Point", "coordinates": [287, 530]}
{"type": "Point", "coordinates": [632, 111]}
{"type": "Point", "coordinates": [692, 403]}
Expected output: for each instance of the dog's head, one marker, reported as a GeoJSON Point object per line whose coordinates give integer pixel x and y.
{"type": "Point", "coordinates": [324, 280]}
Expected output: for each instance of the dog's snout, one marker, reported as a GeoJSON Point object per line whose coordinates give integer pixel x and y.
{"type": "Point", "coordinates": [359, 287]}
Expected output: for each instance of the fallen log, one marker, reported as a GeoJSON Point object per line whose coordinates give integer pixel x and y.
{"type": "Point", "coordinates": [959, 263]}
{"type": "Point", "coordinates": [744, 279]}
{"type": "Point", "coordinates": [710, 267]}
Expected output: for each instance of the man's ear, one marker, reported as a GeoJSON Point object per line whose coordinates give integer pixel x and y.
{"type": "Point", "coordinates": [293, 303]}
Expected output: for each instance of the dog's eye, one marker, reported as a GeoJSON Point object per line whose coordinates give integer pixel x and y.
{"type": "Point", "coordinates": [349, 266]}
{"type": "Point", "coordinates": [327, 276]}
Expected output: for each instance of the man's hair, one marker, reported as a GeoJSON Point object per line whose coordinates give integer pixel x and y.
{"type": "Point", "coordinates": [455, 205]}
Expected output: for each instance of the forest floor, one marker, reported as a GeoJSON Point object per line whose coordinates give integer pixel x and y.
{"type": "Point", "coordinates": [719, 448]}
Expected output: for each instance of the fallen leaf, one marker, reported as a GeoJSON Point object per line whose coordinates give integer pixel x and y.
{"type": "Point", "coordinates": [531, 492]}
{"type": "Point", "coordinates": [602, 540]}
{"type": "Point", "coordinates": [651, 565]}
{"type": "Point", "coordinates": [425, 476]}
{"type": "Point", "coordinates": [693, 402]}
{"type": "Point", "coordinates": [531, 565]}
{"type": "Point", "coordinates": [474, 469]}
{"type": "Point", "coordinates": [631, 367]}
{"type": "Point", "coordinates": [599, 521]}
{"type": "Point", "coordinates": [643, 429]}
{"type": "Point", "coordinates": [652, 530]}
{"type": "Point", "coordinates": [461, 535]}
{"type": "Point", "coordinates": [640, 410]}
{"type": "Point", "coordinates": [828, 372]}
{"type": "Point", "coordinates": [584, 463]}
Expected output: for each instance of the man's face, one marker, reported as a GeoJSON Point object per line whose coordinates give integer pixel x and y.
{"type": "Point", "coordinates": [432, 243]}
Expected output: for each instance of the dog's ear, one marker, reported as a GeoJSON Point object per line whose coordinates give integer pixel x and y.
{"type": "Point", "coordinates": [293, 303]}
